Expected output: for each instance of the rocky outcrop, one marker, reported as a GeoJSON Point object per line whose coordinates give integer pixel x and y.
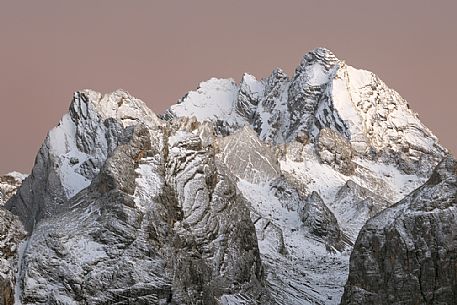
{"type": "Point", "coordinates": [248, 97]}
{"type": "Point", "coordinates": [335, 150]}
{"type": "Point", "coordinates": [310, 105]}
{"type": "Point", "coordinates": [248, 157]}
{"type": "Point", "coordinates": [9, 185]}
{"type": "Point", "coordinates": [354, 205]}
{"type": "Point", "coordinates": [321, 222]}
{"type": "Point", "coordinates": [84, 253]}
{"type": "Point", "coordinates": [11, 234]}
{"type": "Point", "coordinates": [218, 240]}
{"type": "Point", "coordinates": [270, 111]}
{"type": "Point", "coordinates": [407, 254]}
{"type": "Point", "coordinates": [74, 151]}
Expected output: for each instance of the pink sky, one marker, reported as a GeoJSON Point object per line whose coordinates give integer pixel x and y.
{"type": "Point", "coordinates": [159, 50]}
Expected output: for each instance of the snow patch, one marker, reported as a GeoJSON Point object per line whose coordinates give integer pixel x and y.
{"type": "Point", "coordinates": [256, 88]}
{"type": "Point", "coordinates": [149, 182]}
{"type": "Point", "coordinates": [213, 100]}
{"type": "Point", "coordinates": [18, 176]}
{"type": "Point", "coordinates": [318, 75]}
{"type": "Point", "coordinates": [62, 145]}
{"type": "Point", "coordinates": [398, 183]}
{"type": "Point", "coordinates": [316, 176]}
{"type": "Point", "coordinates": [89, 251]}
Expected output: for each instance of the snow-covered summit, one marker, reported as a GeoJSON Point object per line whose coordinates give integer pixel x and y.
{"type": "Point", "coordinates": [76, 149]}
{"type": "Point", "coordinates": [324, 92]}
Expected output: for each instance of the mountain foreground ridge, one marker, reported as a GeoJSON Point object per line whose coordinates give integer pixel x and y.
{"type": "Point", "coordinates": [249, 193]}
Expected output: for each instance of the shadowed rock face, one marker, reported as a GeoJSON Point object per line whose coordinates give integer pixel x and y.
{"type": "Point", "coordinates": [407, 254]}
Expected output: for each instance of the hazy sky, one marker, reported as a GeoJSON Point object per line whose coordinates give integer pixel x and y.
{"type": "Point", "coordinates": [159, 50]}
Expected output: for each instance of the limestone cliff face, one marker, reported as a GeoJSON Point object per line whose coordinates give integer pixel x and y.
{"type": "Point", "coordinates": [407, 254]}
{"type": "Point", "coordinates": [335, 150]}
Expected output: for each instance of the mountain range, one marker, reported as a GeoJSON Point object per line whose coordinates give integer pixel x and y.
{"type": "Point", "coordinates": [319, 188]}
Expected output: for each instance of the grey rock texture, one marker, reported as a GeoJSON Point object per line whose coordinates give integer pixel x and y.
{"type": "Point", "coordinates": [11, 234]}
{"type": "Point", "coordinates": [335, 150]}
{"type": "Point", "coordinates": [248, 98]}
{"type": "Point", "coordinates": [323, 93]}
{"type": "Point", "coordinates": [355, 204]}
{"type": "Point", "coordinates": [9, 185]}
{"type": "Point", "coordinates": [218, 241]}
{"type": "Point", "coordinates": [407, 253]}
{"type": "Point", "coordinates": [270, 109]}
{"type": "Point", "coordinates": [329, 125]}
{"type": "Point", "coordinates": [310, 104]}
{"type": "Point", "coordinates": [248, 157]}
{"type": "Point", "coordinates": [321, 222]}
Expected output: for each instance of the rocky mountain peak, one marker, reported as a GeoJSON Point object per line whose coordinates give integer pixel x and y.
{"type": "Point", "coordinates": [319, 64]}
{"type": "Point", "coordinates": [75, 150]}
{"type": "Point", "coordinates": [276, 75]}
{"type": "Point", "coordinates": [323, 56]}
{"type": "Point", "coordinates": [119, 105]}
{"type": "Point", "coordinates": [324, 93]}
{"type": "Point", "coordinates": [249, 193]}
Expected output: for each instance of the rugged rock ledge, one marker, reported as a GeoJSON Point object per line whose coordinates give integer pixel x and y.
{"type": "Point", "coordinates": [407, 254]}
